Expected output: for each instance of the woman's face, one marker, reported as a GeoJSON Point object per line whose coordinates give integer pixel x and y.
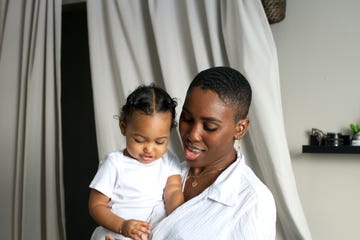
{"type": "Point", "coordinates": [208, 129]}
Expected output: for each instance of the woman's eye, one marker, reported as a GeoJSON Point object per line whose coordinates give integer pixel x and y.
{"type": "Point", "coordinates": [210, 128]}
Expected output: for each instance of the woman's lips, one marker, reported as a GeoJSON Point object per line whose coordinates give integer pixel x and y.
{"type": "Point", "coordinates": [191, 153]}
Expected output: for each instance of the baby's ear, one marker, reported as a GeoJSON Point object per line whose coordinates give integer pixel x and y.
{"type": "Point", "coordinates": [122, 126]}
{"type": "Point", "coordinates": [241, 128]}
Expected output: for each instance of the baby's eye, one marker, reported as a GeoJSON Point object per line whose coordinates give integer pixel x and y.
{"type": "Point", "coordinates": [160, 142]}
{"type": "Point", "coordinates": [138, 140]}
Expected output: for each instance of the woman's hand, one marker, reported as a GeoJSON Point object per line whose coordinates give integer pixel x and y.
{"type": "Point", "coordinates": [135, 229]}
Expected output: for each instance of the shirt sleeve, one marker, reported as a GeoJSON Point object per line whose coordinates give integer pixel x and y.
{"type": "Point", "coordinates": [105, 178]}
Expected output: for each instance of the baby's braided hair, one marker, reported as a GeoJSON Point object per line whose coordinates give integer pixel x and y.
{"type": "Point", "coordinates": [149, 99]}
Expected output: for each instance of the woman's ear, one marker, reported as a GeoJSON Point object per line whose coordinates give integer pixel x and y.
{"type": "Point", "coordinates": [122, 126]}
{"type": "Point", "coordinates": [241, 128]}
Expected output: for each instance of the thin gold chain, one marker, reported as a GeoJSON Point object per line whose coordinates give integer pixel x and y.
{"type": "Point", "coordinates": [195, 183]}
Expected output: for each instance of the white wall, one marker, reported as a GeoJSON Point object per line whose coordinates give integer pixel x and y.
{"type": "Point", "coordinates": [318, 47]}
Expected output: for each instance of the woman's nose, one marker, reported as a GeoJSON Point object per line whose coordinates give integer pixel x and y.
{"type": "Point", "coordinates": [194, 133]}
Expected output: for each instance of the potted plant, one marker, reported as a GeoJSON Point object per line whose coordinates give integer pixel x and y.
{"type": "Point", "coordinates": [355, 128]}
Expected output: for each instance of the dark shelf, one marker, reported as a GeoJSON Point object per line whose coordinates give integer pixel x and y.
{"type": "Point", "coordinates": [331, 149]}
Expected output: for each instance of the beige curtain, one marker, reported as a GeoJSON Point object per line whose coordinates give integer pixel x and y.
{"type": "Point", "coordinates": [168, 42]}
{"type": "Point", "coordinates": [31, 154]}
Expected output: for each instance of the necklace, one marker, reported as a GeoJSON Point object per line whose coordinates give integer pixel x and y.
{"type": "Point", "coordinates": [195, 182]}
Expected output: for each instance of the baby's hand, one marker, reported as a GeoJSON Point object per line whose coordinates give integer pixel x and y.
{"type": "Point", "coordinates": [135, 229]}
{"type": "Point", "coordinates": [109, 237]}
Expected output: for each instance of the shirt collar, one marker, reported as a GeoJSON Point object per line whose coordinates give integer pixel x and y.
{"type": "Point", "coordinates": [222, 190]}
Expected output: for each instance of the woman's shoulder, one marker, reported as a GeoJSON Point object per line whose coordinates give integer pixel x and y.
{"type": "Point", "coordinates": [255, 185]}
{"type": "Point", "coordinates": [249, 182]}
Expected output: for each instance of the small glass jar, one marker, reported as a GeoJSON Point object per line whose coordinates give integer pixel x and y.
{"type": "Point", "coordinates": [356, 139]}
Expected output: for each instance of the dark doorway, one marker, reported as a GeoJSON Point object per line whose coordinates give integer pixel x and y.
{"type": "Point", "coordinates": [78, 124]}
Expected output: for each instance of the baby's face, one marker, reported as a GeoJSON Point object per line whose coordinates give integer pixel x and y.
{"type": "Point", "coordinates": [147, 136]}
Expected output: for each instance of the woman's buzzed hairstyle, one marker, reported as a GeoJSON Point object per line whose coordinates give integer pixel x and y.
{"type": "Point", "coordinates": [230, 85]}
{"type": "Point", "coordinates": [149, 100]}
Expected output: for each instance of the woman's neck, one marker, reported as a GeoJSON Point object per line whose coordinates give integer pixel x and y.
{"type": "Point", "coordinates": [216, 166]}
{"type": "Point", "coordinates": [200, 178]}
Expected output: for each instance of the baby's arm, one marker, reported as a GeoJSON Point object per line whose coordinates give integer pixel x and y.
{"type": "Point", "coordinates": [173, 195]}
{"type": "Point", "coordinates": [101, 213]}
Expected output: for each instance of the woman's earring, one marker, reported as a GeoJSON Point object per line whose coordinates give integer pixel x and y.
{"type": "Point", "coordinates": [237, 144]}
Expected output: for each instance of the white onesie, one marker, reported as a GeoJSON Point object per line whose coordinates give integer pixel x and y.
{"type": "Point", "coordinates": [135, 189]}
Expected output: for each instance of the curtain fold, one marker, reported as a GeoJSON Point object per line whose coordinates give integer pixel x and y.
{"type": "Point", "coordinates": [30, 104]}
{"type": "Point", "coordinates": [169, 42]}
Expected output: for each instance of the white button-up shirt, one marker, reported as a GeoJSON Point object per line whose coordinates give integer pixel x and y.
{"type": "Point", "coordinates": [236, 206]}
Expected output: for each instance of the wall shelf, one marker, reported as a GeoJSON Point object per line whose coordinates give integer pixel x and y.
{"type": "Point", "coordinates": [331, 149]}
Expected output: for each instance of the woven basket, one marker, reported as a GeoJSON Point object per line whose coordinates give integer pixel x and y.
{"type": "Point", "coordinates": [275, 10]}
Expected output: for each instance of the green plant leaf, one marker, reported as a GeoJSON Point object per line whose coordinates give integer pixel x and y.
{"type": "Point", "coordinates": [355, 128]}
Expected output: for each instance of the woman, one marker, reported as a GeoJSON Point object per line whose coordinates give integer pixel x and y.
{"type": "Point", "coordinates": [223, 197]}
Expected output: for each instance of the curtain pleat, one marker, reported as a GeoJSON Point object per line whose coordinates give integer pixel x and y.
{"type": "Point", "coordinates": [169, 42]}
{"type": "Point", "coordinates": [30, 96]}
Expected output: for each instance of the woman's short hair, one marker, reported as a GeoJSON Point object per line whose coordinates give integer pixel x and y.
{"type": "Point", "coordinates": [230, 85]}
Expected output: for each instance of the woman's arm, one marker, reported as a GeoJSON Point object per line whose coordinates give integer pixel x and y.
{"type": "Point", "coordinates": [173, 195]}
{"type": "Point", "coordinates": [101, 213]}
